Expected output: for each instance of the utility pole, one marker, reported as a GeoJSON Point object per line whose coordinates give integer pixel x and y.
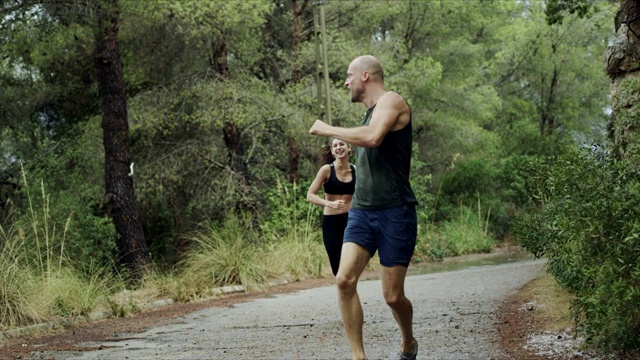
{"type": "Point", "coordinates": [322, 69]}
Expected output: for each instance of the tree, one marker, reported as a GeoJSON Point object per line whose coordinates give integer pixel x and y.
{"type": "Point", "coordinates": [119, 194]}
{"type": "Point", "coordinates": [103, 22]}
{"type": "Point", "coordinates": [621, 62]}
{"type": "Point", "coordinates": [549, 80]}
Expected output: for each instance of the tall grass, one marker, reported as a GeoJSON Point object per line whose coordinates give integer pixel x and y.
{"type": "Point", "coordinates": [223, 255]}
{"type": "Point", "coordinates": [287, 245]}
{"type": "Point", "coordinates": [298, 252]}
{"type": "Point", "coordinates": [37, 280]}
{"type": "Point", "coordinates": [466, 233]}
{"type": "Point", "coordinates": [14, 295]}
{"type": "Point", "coordinates": [294, 246]}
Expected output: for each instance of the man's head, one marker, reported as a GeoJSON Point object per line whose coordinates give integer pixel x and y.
{"type": "Point", "coordinates": [363, 72]}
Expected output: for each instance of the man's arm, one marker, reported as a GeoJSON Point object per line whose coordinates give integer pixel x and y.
{"type": "Point", "coordinates": [389, 110]}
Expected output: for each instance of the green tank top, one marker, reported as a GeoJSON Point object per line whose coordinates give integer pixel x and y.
{"type": "Point", "coordinates": [383, 172]}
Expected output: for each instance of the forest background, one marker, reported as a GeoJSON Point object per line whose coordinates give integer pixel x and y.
{"type": "Point", "coordinates": [206, 116]}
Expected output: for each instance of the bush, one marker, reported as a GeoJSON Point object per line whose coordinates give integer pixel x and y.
{"type": "Point", "coordinates": [72, 176]}
{"type": "Point", "coordinates": [499, 186]}
{"type": "Point", "coordinates": [287, 207]}
{"type": "Point", "coordinates": [226, 254]}
{"type": "Point", "coordinates": [38, 280]}
{"type": "Point", "coordinates": [588, 226]}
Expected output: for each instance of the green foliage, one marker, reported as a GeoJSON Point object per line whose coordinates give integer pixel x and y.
{"type": "Point", "coordinates": [556, 10]}
{"type": "Point", "coordinates": [292, 233]}
{"type": "Point", "coordinates": [421, 186]}
{"type": "Point", "coordinates": [49, 81]}
{"type": "Point", "coordinates": [121, 308]}
{"type": "Point", "coordinates": [588, 227]}
{"type": "Point", "coordinates": [287, 208]}
{"type": "Point", "coordinates": [491, 85]}
{"type": "Point", "coordinates": [187, 170]}
{"type": "Point", "coordinates": [14, 272]}
{"type": "Point", "coordinates": [65, 291]}
{"type": "Point", "coordinates": [297, 253]}
{"type": "Point", "coordinates": [66, 185]}
{"type": "Point", "coordinates": [466, 233]}
{"type": "Point", "coordinates": [170, 42]}
{"type": "Point", "coordinates": [497, 185]}
{"type": "Point", "coordinates": [552, 75]}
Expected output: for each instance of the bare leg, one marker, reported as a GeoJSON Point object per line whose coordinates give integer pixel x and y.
{"type": "Point", "coordinates": [353, 260]}
{"type": "Point", "coordinates": [393, 290]}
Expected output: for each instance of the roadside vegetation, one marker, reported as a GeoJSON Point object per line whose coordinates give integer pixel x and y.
{"type": "Point", "coordinates": [41, 282]}
{"type": "Point", "coordinates": [587, 228]}
{"type": "Point", "coordinates": [210, 114]}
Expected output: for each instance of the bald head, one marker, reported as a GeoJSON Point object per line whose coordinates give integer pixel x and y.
{"type": "Point", "coordinates": [371, 65]}
{"type": "Point", "coordinates": [365, 79]}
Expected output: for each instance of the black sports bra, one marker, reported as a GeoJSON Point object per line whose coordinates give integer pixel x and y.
{"type": "Point", "coordinates": [337, 187]}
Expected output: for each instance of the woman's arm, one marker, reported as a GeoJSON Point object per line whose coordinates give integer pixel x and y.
{"type": "Point", "coordinates": [312, 195]}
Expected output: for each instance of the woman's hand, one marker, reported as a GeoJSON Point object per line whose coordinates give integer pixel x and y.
{"type": "Point", "coordinates": [338, 204]}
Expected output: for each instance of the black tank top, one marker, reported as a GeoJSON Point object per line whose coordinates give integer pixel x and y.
{"type": "Point", "coordinates": [336, 187]}
{"type": "Point", "coordinates": [384, 171]}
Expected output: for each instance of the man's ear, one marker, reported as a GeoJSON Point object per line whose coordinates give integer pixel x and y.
{"type": "Point", "coordinates": [365, 76]}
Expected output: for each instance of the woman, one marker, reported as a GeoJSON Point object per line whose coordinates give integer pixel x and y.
{"type": "Point", "coordinates": [338, 179]}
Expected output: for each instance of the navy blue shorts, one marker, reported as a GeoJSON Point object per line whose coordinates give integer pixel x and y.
{"type": "Point", "coordinates": [392, 232]}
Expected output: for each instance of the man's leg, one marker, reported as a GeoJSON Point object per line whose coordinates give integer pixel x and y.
{"type": "Point", "coordinates": [393, 290]}
{"type": "Point", "coordinates": [353, 260]}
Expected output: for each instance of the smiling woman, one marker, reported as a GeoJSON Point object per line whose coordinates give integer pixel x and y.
{"type": "Point", "coordinates": [338, 179]}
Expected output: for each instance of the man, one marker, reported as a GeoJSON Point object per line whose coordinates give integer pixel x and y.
{"type": "Point", "coordinates": [383, 214]}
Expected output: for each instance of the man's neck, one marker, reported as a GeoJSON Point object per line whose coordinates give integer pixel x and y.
{"type": "Point", "coordinates": [372, 99]}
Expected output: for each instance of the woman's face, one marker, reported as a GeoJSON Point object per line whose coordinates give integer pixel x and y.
{"type": "Point", "coordinates": [340, 149]}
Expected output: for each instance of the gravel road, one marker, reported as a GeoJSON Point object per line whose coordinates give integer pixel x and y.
{"type": "Point", "coordinates": [454, 317]}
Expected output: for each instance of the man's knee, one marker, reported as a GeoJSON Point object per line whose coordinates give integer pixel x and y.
{"type": "Point", "coordinates": [346, 284]}
{"type": "Point", "coordinates": [394, 299]}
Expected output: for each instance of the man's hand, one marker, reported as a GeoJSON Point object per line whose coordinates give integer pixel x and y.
{"type": "Point", "coordinates": [319, 128]}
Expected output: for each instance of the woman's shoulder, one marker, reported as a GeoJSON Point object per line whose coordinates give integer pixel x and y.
{"type": "Point", "coordinates": [324, 169]}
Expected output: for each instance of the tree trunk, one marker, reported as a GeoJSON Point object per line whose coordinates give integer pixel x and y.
{"type": "Point", "coordinates": [622, 65]}
{"type": "Point", "coordinates": [296, 11]}
{"type": "Point", "coordinates": [119, 197]}
{"type": "Point", "coordinates": [294, 161]}
{"type": "Point", "coordinates": [219, 57]}
{"type": "Point", "coordinates": [547, 117]}
{"type": "Point", "coordinates": [236, 153]}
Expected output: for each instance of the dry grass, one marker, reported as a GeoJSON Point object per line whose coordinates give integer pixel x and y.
{"type": "Point", "coordinates": [552, 303]}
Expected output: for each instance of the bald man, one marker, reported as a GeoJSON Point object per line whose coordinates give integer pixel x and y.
{"type": "Point", "coordinates": [383, 213]}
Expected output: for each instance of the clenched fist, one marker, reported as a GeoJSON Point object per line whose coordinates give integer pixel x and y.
{"type": "Point", "coordinates": [319, 128]}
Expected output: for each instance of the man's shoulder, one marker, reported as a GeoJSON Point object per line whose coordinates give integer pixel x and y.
{"type": "Point", "coordinates": [392, 95]}
{"type": "Point", "coordinates": [394, 103]}
{"type": "Point", "coordinates": [393, 98]}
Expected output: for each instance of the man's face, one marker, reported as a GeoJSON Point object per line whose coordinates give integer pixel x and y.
{"type": "Point", "coordinates": [354, 83]}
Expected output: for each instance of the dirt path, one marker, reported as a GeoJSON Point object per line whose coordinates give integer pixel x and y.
{"type": "Point", "coordinates": [454, 314]}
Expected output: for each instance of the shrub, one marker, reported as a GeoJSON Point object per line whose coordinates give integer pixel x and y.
{"type": "Point", "coordinates": [72, 176]}
{"type": "Point", "coordinates": [37, 278]}
{"type": "Point", "coordinates": [498, 185]}
{"type": "Point", "coordinates": [226, 254]}
{"type": "Point", "coordinates": [588, 226]}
